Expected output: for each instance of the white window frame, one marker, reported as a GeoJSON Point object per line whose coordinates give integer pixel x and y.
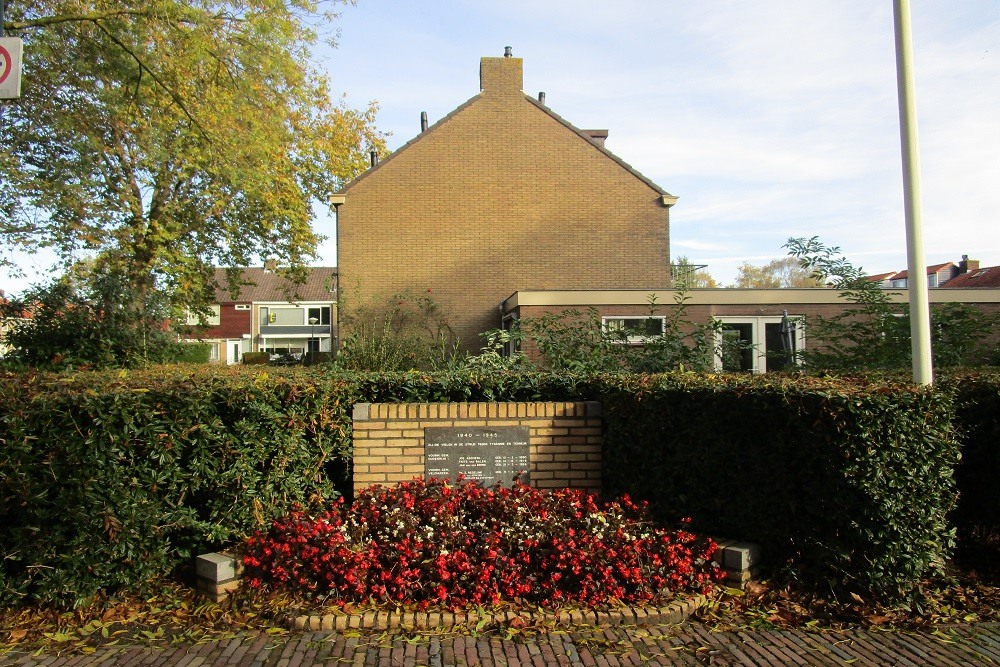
{"type": "Point", "coordinates": [242, 306]}
{"type": "Point", "coordinates": [759, 331]}
{"type": "Point", "coordinates": [637, 339]}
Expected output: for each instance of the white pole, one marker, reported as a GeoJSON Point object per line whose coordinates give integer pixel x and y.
{"type": "Point", "coordinates": [920, 318]}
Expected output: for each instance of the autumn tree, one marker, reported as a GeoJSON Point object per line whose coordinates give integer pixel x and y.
{"type": "Point", "coordinates": [686, 275]}
{"type": "Point", "coordinates": [785, 272]}
{"type": "Point", "coordinates": [164, 137]}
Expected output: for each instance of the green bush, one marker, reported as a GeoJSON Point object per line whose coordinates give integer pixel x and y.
{"type": "Point", "coordinates": [194, 353]}
{"type": "Point", "coordinates": [977, 419]}
{"type": "Point", "coordinates": [89, 319]}
{"type": "Point", "coordinates": [110, 479]}
{"type": "Point", "coordinates": [407, 331]}
{"type": "Point", "coordinates": [848, 482]}
{"type": "Point", "coordinates": [575, 341]}
{"type": "Point", "coordinates": [107, 481]}
{"type": "Point", "coordinates": [256, 358]}
{"type": "Point", "coordinates": [873, 332]}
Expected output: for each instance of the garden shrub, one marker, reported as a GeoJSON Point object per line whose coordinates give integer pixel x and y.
{"type": "Point", "coordinates": [977, 419]}
{"type": "Point", "coordinates": [847, 481]}
{"type": "Point", "coordinates": [408, 330]}
{"type": "Point", "coordinates": [873, 332]}
{"type": "Point", "coordinates": [461, 545]}
{"type": "Point", "coordinates": [256, 358]}
{"type": "Point", "coordinates": [575, 341]}
{"type": "Point", "coordinates": [110, 480]}
{"type": "Point", "coordinates": [194, 353]}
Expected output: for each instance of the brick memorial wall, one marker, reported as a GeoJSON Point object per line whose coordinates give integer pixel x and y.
{"type": "Point", "coordinates": [554, 445]}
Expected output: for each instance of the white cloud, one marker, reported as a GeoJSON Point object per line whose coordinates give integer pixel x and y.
{"type": "Point", "coordinates": [769, 119]}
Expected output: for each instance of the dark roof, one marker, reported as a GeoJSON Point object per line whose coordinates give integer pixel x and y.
{"type": "Point", "coordinates": [986, 277]}
{"type": "Point", "coordinates": [930, 270]}
{"type": "Point", "coordinates": [267, 285]}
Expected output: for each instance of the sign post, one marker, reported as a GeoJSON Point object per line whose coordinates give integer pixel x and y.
{"type": "Point", "coordinates": [10, 67]}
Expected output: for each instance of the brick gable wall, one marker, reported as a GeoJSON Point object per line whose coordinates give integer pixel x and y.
{"type": "Point", "coordinates": [499, 197]}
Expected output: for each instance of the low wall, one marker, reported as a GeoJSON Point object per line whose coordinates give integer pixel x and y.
{"type": "Point", "coordinates": [564, 439]}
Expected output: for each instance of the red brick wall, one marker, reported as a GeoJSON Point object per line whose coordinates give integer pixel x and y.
{"type": "Point", "coordinates": [232, 323]}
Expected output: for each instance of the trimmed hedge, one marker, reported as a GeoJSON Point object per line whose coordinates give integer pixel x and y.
{"type": "Point", "coordinates": [977, 412]}
{"type": "Point", "coordinates": [109, 480]}
{"type": "Point", "coordinates": [847, 482]}
{"type": "Point", "coordinates": [194, 353]}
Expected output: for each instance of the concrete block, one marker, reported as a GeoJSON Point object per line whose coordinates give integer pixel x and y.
{"type": "Point", "coordinates": [218, 567]}
{"type": "Point", "coordinates": [741, 556]}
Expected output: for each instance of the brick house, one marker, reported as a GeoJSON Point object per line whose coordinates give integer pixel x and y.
{"type": "Point", "coordinates": [505, 210]}
{"type": "Point", "coordinates": [501, 195]}
{"type": "Point", "coordinates": [269, 313]}
{"type": "Point", "coordinates": [751, 316]}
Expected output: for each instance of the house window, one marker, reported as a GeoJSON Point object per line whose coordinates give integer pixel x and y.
{"type": "Point", "coordinates": [210, 317]}
{"type": "Point", "coordinates": [320, 313]}
{"type": "Point", "coordinates": [634, 329]}
{"type": "Point", "coordinates": [279, 316]}
{"type": "Point", "coordinates": [243, 306]}
{"type": "Point", "coordinates": [294, 316]}
{"type": "Point", "coordinates": [758, 344]}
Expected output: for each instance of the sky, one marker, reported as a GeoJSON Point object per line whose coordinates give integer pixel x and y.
{"type": "Point", "coordinates": [768, 119]}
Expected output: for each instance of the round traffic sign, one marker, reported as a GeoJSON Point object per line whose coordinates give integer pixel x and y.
{"type": "Point", "coordinates": [6, 63]}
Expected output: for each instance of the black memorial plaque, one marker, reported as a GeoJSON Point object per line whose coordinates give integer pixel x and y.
{"type": "Point", "coordinates": [482, 454]}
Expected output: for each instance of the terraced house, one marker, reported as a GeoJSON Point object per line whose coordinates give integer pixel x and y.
{"type": "Point", "coordinates": [268, 312]}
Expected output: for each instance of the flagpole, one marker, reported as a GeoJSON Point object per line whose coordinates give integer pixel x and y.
{"type": "Point", "coordinates": [920, 327]}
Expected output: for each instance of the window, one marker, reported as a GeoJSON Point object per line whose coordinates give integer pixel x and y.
{"type": "Point", "coordinates": [758, 344]}
{"type": "Point", "coordinates": [634, 329]}
{"type": "Point", "coordinates": [209, 318]}
{"type": "Point", "coordinates": [320, 313]}
{"type": "Point", "coordinates": [243, 306]}
{"type": "Point", "coordinates": [294, 316]}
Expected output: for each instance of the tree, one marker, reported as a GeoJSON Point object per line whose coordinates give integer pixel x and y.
{"type": "Point", "coordinates": [873, 331]}
{"type": "Point", "coordinates": [686, 275]}
{"type": "Point", "coordinates": [89, 320]}
{"type": "Point", "coordinates": [785, 272]}
{"type": "Point", "coordinates": [165, 137]}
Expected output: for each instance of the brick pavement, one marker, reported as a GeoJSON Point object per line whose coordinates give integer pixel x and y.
{"type": "Point", "coordinates": [589, 646]}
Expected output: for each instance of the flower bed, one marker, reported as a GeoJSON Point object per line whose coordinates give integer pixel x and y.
{"type": "Point", "coordinates": [461, 545]}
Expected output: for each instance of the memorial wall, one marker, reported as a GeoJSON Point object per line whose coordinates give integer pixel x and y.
{"type": "Point", "coordinates": [546, 445]}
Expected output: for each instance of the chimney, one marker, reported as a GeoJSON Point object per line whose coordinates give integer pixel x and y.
{"type": "Point", "coordinates": [597, 136]}
{"type": "Point", "coordinates": [967, 265]}
{"type": "Point", "coordinates": [270, 265]}
{"type": "Point", "coordinates": [423, 121]}
{"type": "Point", "coordinates": [501, 76]}
{"type": "Point", "coordinates": [373, 158]}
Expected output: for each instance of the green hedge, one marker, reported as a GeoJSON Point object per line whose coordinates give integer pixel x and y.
{"type": "Point", "coordinates": [252, 358]}
{"type": "Point", "coordinates": [977, 412]}
{"type": "Point", "coordinates": [109, 480]}
{"type": "Point", "coordinates": [194, 353]}
{"type": "Point", "coordinates": [847, 482]}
